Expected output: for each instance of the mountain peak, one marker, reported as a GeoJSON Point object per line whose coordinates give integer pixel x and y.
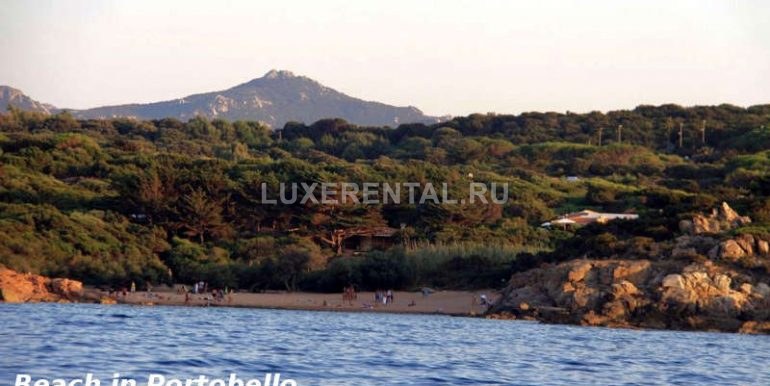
{"type": "Point", "coordinates": [279, 74]}
{"type": "Point", "coordinates": [278, 97]}
{"type": "Point", "coordinates": [10, 96]}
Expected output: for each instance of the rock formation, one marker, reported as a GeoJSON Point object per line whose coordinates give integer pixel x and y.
{"type": "Point", "coordinates": [721, 219]}
{"type": "Point", "coordinates": [704, 279]}
{"type": "Point", "coordinates": [638, 293]}
{"type": "Point", "coordinates": [20, 288]}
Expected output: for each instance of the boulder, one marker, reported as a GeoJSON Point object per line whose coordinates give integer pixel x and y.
{"type": "Point", "coordinates": [637, 271]}
{"type": "Point", "coordinates": [730, 250]}
{"type": "Point", "coordinates": [746, 242]}
{"type": "Point", "coordinates": [16, 287]}
{"type": "Point", "coordinates": [730, 216]}
{"type": "Point", "coordinates": [719, 220]}
{"type": "Point", "coordinates": [579, 272]}
{"type": "Point", "coordinates": [644, 293]}
{"type": "Point", "coordinates": [591, 318]}
{"type": "Point", "coordinates": [703, 224]}
{"type": "Point", "coordinates": [722, 282]}
{"type": "Point", "coordinates": [746, 288]}
{"type": "Point", "coordinates": [673, 281]}
{"type": "Point", "coordinates": [755, 327]}
{"type": "Point", "coordinates": [624, 288]}
{"type": "Point", "coordinates": [69, 289]}
{"type": "Point", "coordinates": [19, 288]}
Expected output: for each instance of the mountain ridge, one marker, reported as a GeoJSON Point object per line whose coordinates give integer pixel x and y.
{"type": "Point", "coordinates": [276, 98]}
{"type": "Point", "coordinates": [13, 96]}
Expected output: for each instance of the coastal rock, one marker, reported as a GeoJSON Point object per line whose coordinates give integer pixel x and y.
{"type": "Point", "coordinates": [673, 281]}
{"type": "Point", "coordinates": [579, 272]}
{"type": "Point", "coordinates": [730, 250]}
{"type": "Point", "coordinates": [711, 281]}
{"type": "Point", "coordinates": [16, 287]}
{"type": "Point", "coordinates": [635, 271]}
{"type": "Point", "coordinates": [754, 327]}
{"type": "Point", "coordinates": [19, 288]}
{"type": "Point", "coordinates": [69, 289]}
{"type": "Point", "coordinates": [620, 293]}
{"type": "Point", "coordinates": [746, 242]}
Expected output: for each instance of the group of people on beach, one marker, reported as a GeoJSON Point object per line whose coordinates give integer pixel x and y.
{"type": "Point", "coordinates": [202, 287]}
{"type": "Point", "coordinates": [380, 297]}
{"type": "Point", "coordinates": [384, 297]}
{"type": "Point", "coordinates": [115, 292]}
{"type": "Point", "coordinates": [199, 288]}
{"type": "Point", "coordinates": [349, 294]}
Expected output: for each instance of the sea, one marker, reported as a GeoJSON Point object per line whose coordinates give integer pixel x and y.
{"type": "Point", "coordinates": [172, 346]}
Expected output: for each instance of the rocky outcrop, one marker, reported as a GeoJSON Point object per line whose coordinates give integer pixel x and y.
{"type": "Point", "coordinates": [743, 248]}
{"type": "Point", "coordinates": [719, 220]}
{"type": "Point", "coordinates": [16, 287]}
{"type": "Point", "coordinates": [705, 279]}
{"type": "Point", "coordinates": [706, 236]}
{"type": "Point", "coordinates": [639, 293]}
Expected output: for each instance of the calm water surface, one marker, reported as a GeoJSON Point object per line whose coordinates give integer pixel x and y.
{"type": "Point", "coordinates": [334, 348]}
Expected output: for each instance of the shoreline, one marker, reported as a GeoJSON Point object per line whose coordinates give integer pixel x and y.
{"type": "Point", "coordinates": [450, 303]}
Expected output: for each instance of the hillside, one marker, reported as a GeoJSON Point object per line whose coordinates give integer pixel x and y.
{"type": "Point", "coordinates": [14, 97]}
{"type": "Point", "coordinates": [114, 201]}
{"type": "Point", "coordinates": [274, 99]}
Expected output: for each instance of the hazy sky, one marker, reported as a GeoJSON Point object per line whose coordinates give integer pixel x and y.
{"type": "Point", "coordinates": [445, 57]}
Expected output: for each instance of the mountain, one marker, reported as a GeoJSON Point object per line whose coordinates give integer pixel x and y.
{"type": "Point", "coordinates": [276, 98]}
{"type": "Point", "coordinates": [14, 97]}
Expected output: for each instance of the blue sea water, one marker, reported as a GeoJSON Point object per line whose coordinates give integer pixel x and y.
{"type": "Point", "coordinates": [336, 348]}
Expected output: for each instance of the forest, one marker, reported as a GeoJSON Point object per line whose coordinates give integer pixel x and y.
{"type": "Point", "coordinates": [118, 200]}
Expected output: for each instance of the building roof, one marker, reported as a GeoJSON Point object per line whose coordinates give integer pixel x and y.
{"type": "Point", "coordinates": [587, 216]}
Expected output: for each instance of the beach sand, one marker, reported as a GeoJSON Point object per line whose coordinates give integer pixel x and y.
{"type": "Point", "coordinates": [439, 302]}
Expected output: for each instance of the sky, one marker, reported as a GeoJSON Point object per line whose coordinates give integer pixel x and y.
{"type": "Point", "coordinates": [445, 57]}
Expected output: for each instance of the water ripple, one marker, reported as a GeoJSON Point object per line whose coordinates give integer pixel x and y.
{"type": "Point", "coordinates": [332, 348]}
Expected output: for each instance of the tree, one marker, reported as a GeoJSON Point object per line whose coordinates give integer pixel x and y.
{"type": "Point", "coordinates": [290, 265]}
{"type": "Point", "coordinates": [203, 217]}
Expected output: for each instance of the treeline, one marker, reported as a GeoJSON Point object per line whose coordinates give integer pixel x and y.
{"type": "Point", "coordinates": [110, 201]}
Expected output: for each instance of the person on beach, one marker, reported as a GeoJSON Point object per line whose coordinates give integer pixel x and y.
{"type": "Point", "coordinates": [133, 287]}
{"type": "Point", "coordinates": [348, 294]}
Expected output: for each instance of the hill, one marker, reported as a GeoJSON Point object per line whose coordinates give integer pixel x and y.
{"type": "Point", "coordinates": [14, 97]}
{"type": "Point", "coordinates": [274, 99]}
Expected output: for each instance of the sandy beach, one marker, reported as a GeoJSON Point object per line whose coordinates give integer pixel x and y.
{"type": "Point", "coordinates": [439, 302]}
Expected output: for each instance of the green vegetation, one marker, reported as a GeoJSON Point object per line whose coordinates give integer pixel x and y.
{"type": "Point", "coordinates": [111, 201]}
